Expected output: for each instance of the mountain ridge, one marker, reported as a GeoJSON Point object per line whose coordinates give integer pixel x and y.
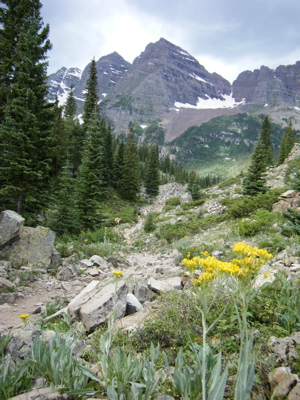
{"type": "Point", "coordinates": [168, 85]}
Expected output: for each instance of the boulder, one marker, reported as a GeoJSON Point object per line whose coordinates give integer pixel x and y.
{"type": "Point", "coordinates": [282, 382]}
{"type": "Point", "coordinates": [80, 299]}
{"type": "Point", "coordinates": [284, 348]}
{"type": "Point", "coordinates": [94, 304]}
{"type": "Point", "coordinates": [133, 305]}
{"type": "Point", "coordinates": [5, 284]}
{"type": "Point", "coordinates": [295, 393]}
{"type": "Point", "coordinates": [143, 293]}
{"type": "Point", "coordinates": [289, 199]}
{"type": "Point", "coordinates": [131, 322]}
{"type": "Point", "coordinates": [186, 198]}
{"type": "Point", "coordinates": [98, 308]}
{"type": "Point", "coordinates": [11, 225]}
{"type": "Point", "coordinates": [98, 261]}
{"type": "Point", "coordinates": [164, 285]}
{"type": "Point", "coordinates": [34, 249]}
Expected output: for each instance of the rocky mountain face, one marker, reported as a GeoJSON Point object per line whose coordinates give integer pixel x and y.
{"type": "Point", "coordinates": [60, 83]}
{"type": "Point", "coordinates": [266, 86]}
{"type": "Point", "coordinates": [168, 85]}
{"type": "Point", "coordinates": [161, 77]}
{"type": "Point", "coordinates": [110, 69]}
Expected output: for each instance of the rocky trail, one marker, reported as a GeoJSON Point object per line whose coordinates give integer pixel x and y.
{"type": "Point", "coordinates": [136, 266]}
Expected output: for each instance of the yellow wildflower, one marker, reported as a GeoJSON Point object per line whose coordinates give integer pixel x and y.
{"type": "Point", "coordinates": [117, 274]}
{"type": "Point", "coordinates": [24, 317]}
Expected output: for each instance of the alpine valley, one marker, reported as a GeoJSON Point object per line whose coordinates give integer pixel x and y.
{"type": "Point", "coordinates": [198, 117]}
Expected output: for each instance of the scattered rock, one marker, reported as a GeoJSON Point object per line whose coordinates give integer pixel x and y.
{"type": "Point", "coordinates": [285, 348]}
{"type": "Point", "coordinates": [282, 382]}
{"type": "Point", "coordinates": [133, 305]}
{"type": "Point", "coordinates": [11, 225]}
{"type": "Point", "coordinates": [164, 285]}
{"type": "Point", "coordinates": [186, 198]}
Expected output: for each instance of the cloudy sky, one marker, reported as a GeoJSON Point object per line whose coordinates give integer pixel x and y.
{"type": "Point", "coordinates": [225, 36]}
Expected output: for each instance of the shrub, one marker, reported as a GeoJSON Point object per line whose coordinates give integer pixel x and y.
{"type": "Point", "coordinates": [177, 231]}
{"type": "Point", "coordinates": [261, 220]}
{"type": "Point", "coordinates": [175, 323]}
{"type": "Point", "coordinates": [230, 182]}
{"type": "Point", "coordinates": [192, 204]}
{"type": "Point", "coordinates": [174, 201]}
{"type": "Point", "coordinates": [273, 242]}
{"type": "Point", "coordinates": [149, 225]}
{"type": "Point", "coordinates": [243, 207]}
{"type": "Point", "coordinates": [248, 228]}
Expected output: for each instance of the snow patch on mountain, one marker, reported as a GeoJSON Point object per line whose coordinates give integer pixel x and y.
{"type": "Point", "coordinates": [209, 103]}
{"type": "Point", "coordinates": [195, 76]}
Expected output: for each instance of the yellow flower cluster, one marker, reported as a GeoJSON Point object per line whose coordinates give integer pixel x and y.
{"type": "Point", "coordinates": [246, 266]}
{"type": "Point", "coordinates": [117, 274]}
{"type": "Point", "coordinates": [24, 317]}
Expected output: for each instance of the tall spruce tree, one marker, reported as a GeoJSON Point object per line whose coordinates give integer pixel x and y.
{"type": "Point", "coordinates": [73, 133]}
{"type": "Point", "coordinates": [292, 216]}
{"type": "Point", "coordinates": [129, 185]}
{"type": "Point", "coordinates": [70, 107]}
{"type": "Point", "coordinates": [25, 116]}
{"type": "Point", "coordinates": [152, 173]}
{"type": "Point", "coordinates": [65, 219]}
{"type": "Point", "coordinates": [267, 142]}
{"type": "Point", "coordinates": [91, 101]}
{"type": "Point", "coordinates": [287, 142]}
{"type": "Point", "coordinates": [92, 184]}
{"type": "Point", "coordinates": [118, 162]}
{"type": "Point", "coordinates": [193, 185]}
{"type": "Point", "coordinates": [255, 180]}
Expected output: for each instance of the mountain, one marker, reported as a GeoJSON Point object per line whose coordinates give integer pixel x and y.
{"type": "Point", "coordinates": [110, 69]}
{"type": "Point", "coordinates": [60, 83]}
{"type": "Point", "coordinates": [166, 90]}
{"type": "Point", "coordinates": [159, 80]}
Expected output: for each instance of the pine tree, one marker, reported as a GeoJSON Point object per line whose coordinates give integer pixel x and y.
{"type": "Point", "coordinates": [287, 143]}
{"type": "Point", "coordinates": [152, 173]}
{"type": "Point", "coordinates": [267, 142]}
{"type": "Point", "coordinates": [118, 162]}
{"type": "Point", "coordinates": [66, 220]}
{"type": "Point", "coordinates": [60, 141]}
{"type": "Point", "coordinates": [92, 185]}
{"type": "Point", "coordinates": [129, 185]}
{"type": "Point", "coordinates": [70, 107]}
{"type": "Point", "coordinates": [295, 180]}
{"type": "Point", "coordinates": [292, 225]}
{"type": "Point", "coordinates": [14, 14]}
{"type": "Point", "coordinates": [74, 134]}
{"type": "Point", "coordinates": [193, 185]}
{"type": "Point", "coordinates": [25, 137]}
{"type": "Point", "coordinates": [108, 150]}
{"type": "Point", "coordinates": [91, 102]}
{"type": "Point", "coordinates": [254, 182]}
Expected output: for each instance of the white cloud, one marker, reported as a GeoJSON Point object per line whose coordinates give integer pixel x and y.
{"type": "Point", "coordinates": [226, 37]}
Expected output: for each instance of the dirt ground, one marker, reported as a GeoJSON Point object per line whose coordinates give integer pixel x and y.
{"type": "Point", "coordinates": [30, 299]}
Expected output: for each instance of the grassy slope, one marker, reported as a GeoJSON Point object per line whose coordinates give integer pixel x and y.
{"type": "Point", "coordinates": [223, 145]}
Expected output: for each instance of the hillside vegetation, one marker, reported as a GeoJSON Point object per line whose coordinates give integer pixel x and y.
{"type": "Point", "coordinates": [223, 146]}
{"type": "Point", "coordinates": [212, 335]}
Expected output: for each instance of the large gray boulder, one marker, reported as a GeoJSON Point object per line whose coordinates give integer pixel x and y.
{"type": "Point", "coordinates": [93, 306]}
{"type": "Point", "coordinates": [97, 310]}
{"type": "Point", "coordinates": [11, 225]}
{"type": "Point", "coordinates": [34, 249]}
